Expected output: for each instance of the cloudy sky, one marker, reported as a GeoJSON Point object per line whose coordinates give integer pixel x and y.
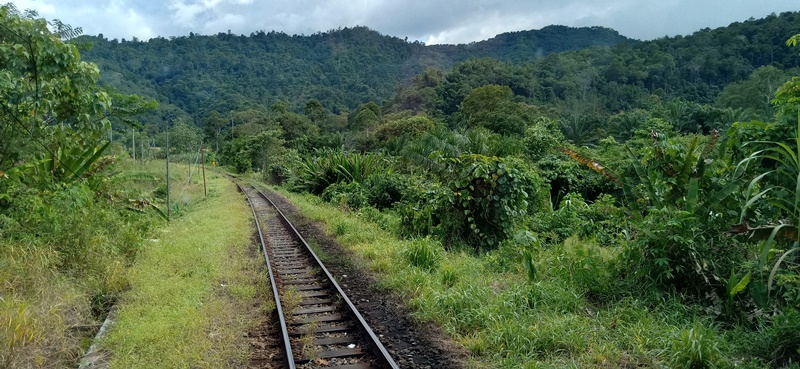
{"type": "Point", "coordinates": [429, 21]}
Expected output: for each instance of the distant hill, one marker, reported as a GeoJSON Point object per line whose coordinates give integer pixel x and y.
{"type": "Point", "coordinates": [341, 68]}
{"type": "Point", "coordinates": [526, 46]}
{"type": "Point", "coordinates": [574, 69]}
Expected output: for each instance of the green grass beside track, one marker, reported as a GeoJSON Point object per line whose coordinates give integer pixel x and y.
{"type": "Point", "coordinates": [192, 290]}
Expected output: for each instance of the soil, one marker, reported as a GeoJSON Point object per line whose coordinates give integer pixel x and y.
{"type": "Point", "coordinates": [411, 344]}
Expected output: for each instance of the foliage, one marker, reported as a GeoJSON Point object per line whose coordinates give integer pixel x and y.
{"type": "Point", "coordinates": [600, 220]}
{"type": "Point", "coordinates": [492, 107]}
{"type": "Point", "coordinates": [49, 96]}
{"type": "Point", "coordinates": [674, 251]}
{"type": "Point", "coordinates": [350, 195]}
{"type": "Point", "coordinates": [779, 341]}
{"type": "Point", "coordinates": [326, 167]}
{"type": "Point", "coordinates": [384, 189]}
{"type": "Point", "coordinates": [781, 192]}
{"type": "Point", "coordinates": [487, 199]}
{"type": "Point", "coordinates": [413, 126]}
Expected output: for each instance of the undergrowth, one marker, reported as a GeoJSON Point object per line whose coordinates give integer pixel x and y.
{"type": "Point", "coordinates": [570, 308]}
{"type": "Point", "coordinates": [64, 253]}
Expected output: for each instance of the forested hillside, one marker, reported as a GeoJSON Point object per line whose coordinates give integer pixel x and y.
{"type": "Point", "coordinates": [340, 68]}
{"type": "Point", "coordinates": [192, 76]}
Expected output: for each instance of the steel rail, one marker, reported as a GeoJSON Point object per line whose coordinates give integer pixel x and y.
{"type": "Point", "coordinates": [284, 329]}
{"type": "Point", "coordinates": [378, 349]}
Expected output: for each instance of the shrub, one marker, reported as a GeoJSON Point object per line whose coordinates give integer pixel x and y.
{"type": "Point", "coordinates": [328, 166]}
{"type": "Point", "coordinates": [485, 203]}
{"type": "Point", "coordinates": [570, 218]}
{"type": "Point", "coordinates": [675, 250]}
{"type": "Point", "coordinates": [384, 189]}
{"type": "Point", "coordinates": [351, 195]}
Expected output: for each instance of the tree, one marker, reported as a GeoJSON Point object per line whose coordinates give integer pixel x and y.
{"type": "Point", "coordinates": [183, 138]}
{"type": "Point", "coordinates": [213, 126]}
{"type": "Point", "coordinates": [48, 96]}
{"type": "Point", "coordinates": [315, 111]}
{"type": "Point", "coordinates": [492, 107]}
{"type": "Point", "coordinates": [754, 93]}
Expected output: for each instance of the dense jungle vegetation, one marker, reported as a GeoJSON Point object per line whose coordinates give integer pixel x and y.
{"type": "Point", "coordinates": [656, 183]}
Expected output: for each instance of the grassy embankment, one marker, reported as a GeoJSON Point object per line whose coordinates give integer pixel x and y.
{"type": "Point", "coordinates": [64, 253]}
{"type": "Point", "coordinates": [192, 290]}
{"type": "Point", "coordinates": [489, 305]}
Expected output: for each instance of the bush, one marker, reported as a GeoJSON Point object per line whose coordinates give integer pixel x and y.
{"type": "Point", "coordinates": [328, 166]}
{"type": "Point", "coordinates": [674, 250]}
{"type": "Point", "coordinates": [485, 203]}
{"type": "Point", "coordinates": [351, 195]}
{"type": "Point", "coordinates": [384, 189]}
{"type": "Point", "coordinates": [601, 220]}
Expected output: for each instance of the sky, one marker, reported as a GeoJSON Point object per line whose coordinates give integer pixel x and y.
{"type": "Point", "coordinates": [428, 21]}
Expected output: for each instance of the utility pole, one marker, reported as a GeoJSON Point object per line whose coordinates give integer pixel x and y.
{"type": "Point", "coordinates": [133, 144]}
{"type": "Point", "coordinates": [203, 165]}
{"type": "Point", "coordinates": [169, 206]}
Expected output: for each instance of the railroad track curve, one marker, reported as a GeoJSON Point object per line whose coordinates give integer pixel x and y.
{"type": "Point", "coordinates": [320, 326]}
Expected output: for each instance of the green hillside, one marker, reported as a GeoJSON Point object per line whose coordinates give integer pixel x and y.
{"type": "Point", "coordinates": [340, 68]}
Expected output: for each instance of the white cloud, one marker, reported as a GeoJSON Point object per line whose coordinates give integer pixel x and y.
{"type": "Point", "coordinates": [185, 14]}
{"type": "Point", "coordinates": [433, 21]}
{"type": "Point", "coordinates": [226, 22]}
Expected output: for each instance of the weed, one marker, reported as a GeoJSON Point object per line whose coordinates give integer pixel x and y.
{"type": "Point", "coordinates": [290, 299]}
{"type": "Point", "coordinates": [449, 276]}
{"type": "Point", "coordinates": [695, 347]}
{"type": "Point", "coordinates": [423, 253]}
{"type": "Point", "coordinates": [340, 228]}
{"type": "Point", "coordinates": [308, 349]}
{"type": "Point", "coordinates": [17, 328]}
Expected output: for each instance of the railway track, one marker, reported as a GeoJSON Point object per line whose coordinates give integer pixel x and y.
{"type": "Point", "coordinates": [320, 326]}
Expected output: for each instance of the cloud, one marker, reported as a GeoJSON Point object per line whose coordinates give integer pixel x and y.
{"type": "Point", "coordinates": [185, 14]}
{"type": "Point", "coordinates": [431, 21]}
{"type": "Point", "coordinates": [227, 21]}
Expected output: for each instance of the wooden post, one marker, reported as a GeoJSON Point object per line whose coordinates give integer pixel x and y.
{"type": "Point", "coordinates": [203, 165]}
{"type": "Point", "coordinates": [169, 206]}
{"type": "Point", "coordinates": [133, 144]}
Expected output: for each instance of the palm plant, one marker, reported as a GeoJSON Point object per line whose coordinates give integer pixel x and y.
{"type": "Point", "coordinates": [577, 129]}
{"type": "Point", "coordinates": [315, 174]}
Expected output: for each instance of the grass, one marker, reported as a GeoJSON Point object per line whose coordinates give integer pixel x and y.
{"type": "Point", "coordinates": [569, 314]}
{"type": "Point", "coordinates": [192, 290]}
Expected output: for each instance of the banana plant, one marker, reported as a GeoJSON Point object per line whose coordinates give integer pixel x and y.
{"type": "Point", "coordinates": [686, 171]}
{"type": "Point", "coordinates": [63, 165]}
{"type": "Point", "coordinates": [783, 191]}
